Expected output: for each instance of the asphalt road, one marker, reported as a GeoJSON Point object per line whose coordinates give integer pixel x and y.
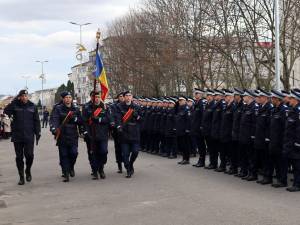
{"type": "Point", "coordinates": [160, 193]}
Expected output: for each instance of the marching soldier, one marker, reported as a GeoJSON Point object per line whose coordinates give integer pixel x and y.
{"type": "Point", "coordinates": [25, 125]}
{"type": "Point", "coordinates": [128, 125]}
{"type": "Point", "coordinates": [197, 136]}
{"type": "Point", "coordinates": [115, 134]}
{"type": "Point", "coordinates": [66, 121]}
{"type": "Point", "coordinates": [98, 120]}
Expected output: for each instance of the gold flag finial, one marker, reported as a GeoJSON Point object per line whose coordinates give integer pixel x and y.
{"type": "Point", "coordinates": [98, 34]}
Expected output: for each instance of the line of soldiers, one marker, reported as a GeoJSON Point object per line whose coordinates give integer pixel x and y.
{"type": "Point", "coordinates": [244, 132]}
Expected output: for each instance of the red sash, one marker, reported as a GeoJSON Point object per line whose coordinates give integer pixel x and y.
{"type": "Point", "coordinates": [96, 113]}
{"type": "Point", "coordinates": [127, 115]}
{"type": "Point", "coordinates": [66, 119]}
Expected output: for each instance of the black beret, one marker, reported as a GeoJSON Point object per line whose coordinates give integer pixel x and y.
{"type": "Point", "coordinates": [23, 92]}
{"type": "Point", "coordinates": [65, 93]}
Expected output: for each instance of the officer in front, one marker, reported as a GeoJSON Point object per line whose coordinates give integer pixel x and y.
{"type": "Point", "coordinates": [25, 125]}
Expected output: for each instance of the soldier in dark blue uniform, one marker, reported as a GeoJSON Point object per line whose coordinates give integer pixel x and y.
{"type": "Point", "coordinates": [144, 108]}
{"type": "Point", "coordinates": [247, 132]}
{"type": "Point", "coordinates": [25, 125]}
{"type": "Point", "coordinates": [170, 131]}
{"type": "Point", "coordinates": [98, 121]}
{"type": "Point", "coordinates": [291, 141]}
{"type": "Point", "coordinates": [66, 122]}
{"type": "Point", "coordinates": [226, 130]}
{"type": "Point", "coordinates": [196, 134]}
{"type": "Point", "coordinates": [128, 125]}
{"type": "Point", "coordinates": [115, 134]}
{"type": "Point", "coordinates": [163, 119]}
{"type": "Point", "coordinates": [206, 126]}
{"type": "Point", "coordinates": [45, 118]}
{"type": "Point", "coordinates": [261, 156]}
{"type": "Point", "coordinates": [183, 123]}
{"type": "Point", "coordinates": [276, 161]}
{"type": "Point", "coordinates": [191, 105]}
{"type": "Point", "coordinates": [235, 153]}
{"type": "Point", "coordinates": [215, 130]}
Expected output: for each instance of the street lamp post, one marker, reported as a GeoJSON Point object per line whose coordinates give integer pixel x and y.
{"type": "Point", "coordinates": [42, 76]}
{"type": "Point", "coordinates": [80, 43]}
{"type": "Point", "coordinates": [277, 44]}
{"type": "Point", "coordinates": [80, 29]}
{"type": "Point", "coordinates": [26, 81]}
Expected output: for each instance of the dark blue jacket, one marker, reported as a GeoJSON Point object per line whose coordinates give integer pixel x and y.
{"type": "Point", "coordinates": [130, 131]}
{"type": "Point", "coordinates": [277, 127]}
{"type": "Point", "coordinates": [26, 121]}
{"type": "Point", "coordinates": [170, 125]}
{"type": "Point", "coordinates": [207, 119]}
{"type": "Point", "coordinates": [69, 132]}
{"type": "Point", "coordinates": [226, 124]}
{"type": "Point", "coordinates": [183, 120]}
{"type": "Point", "coordinates": [247, 123]}
{"type": "Point", "coordinates": [236, 120]}
{"type": "Point", "coordinates": [291, 140]}
{"type": "Point", "coordinates": [97, 127]}
{"type": "Point", "coordinates": [262, 126]}
{"type": "Point", "coordinates": [197, 114]}
{"type": "Point", "coordinates": [217, 119]}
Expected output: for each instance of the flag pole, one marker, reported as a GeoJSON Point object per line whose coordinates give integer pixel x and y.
{"type": "Point", "coordinates": [98, 35]}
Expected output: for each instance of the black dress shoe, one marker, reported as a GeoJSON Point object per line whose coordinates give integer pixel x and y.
{"type": "Point", "coordinates": [279, 185]}
{"type": "Point", "coordinates": [266, 181]}
{"type": "Point", "coordinates": [128, 174]}
{"type": "Point", "coordinates": [232, 172]}
{"type": "Point", "coordinates": [220, 169]}
{"type": "Point", "coordinates": [259, 181]}
{"type": "Point", "coordinates": [210, 167]}
{"type": "Point", "coordinates": [21, 181]}
{"type": "Point", "coordinates": [245, 177]}
{"type": "Point", "coordinates": [66, 178]}
{"type": "Point", "coordinates": [180, 162]}
{"type": "Point", "coordinates": [199, 164]}
{"type": "Point", "coordinates": [72, 173]}
{"type": "Point", "coordinates": [172, 157]}
{"type": "Point", "coordinates": [293, 189]}
{"type": "Point", "coordinates": [185, 162]}
{"type": "Point", "coordinates": [95, 176]}
{"type": "Point", "coordinates": [251, 178]}
{"type": "Point", "coordinates": [28, 176]}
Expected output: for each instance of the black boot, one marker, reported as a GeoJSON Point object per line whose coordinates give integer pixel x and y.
{"type": "Point", "coordinates": [22, 180]}
{"type": "Point", "coordinates": [95, 175]}
{"type": "Point", "coordinates": [66, 176]}
{"type": "Point", "coordinates": [101, 172]}
{"type": "Point", "coordinates": [120, 169]}
{"type": "Point", "coordinates": [72, 172]}
{"type": "Point", "coordinates": [28, 175]}
{"type": "Point", "coordinates": [266, 180]}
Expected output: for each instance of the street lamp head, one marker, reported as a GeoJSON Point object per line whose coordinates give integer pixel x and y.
{"type": "Point", "coordinates": [73, 23]}
{"type": "Point", "coordinates": [86, 24]}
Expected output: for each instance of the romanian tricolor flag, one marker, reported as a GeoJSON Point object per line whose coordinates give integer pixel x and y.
{"type": "Point", "coordinates": [101, 76]}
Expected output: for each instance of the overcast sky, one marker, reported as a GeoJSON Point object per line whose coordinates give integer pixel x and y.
{"type": "Point", "coordinates": [33, 30]}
